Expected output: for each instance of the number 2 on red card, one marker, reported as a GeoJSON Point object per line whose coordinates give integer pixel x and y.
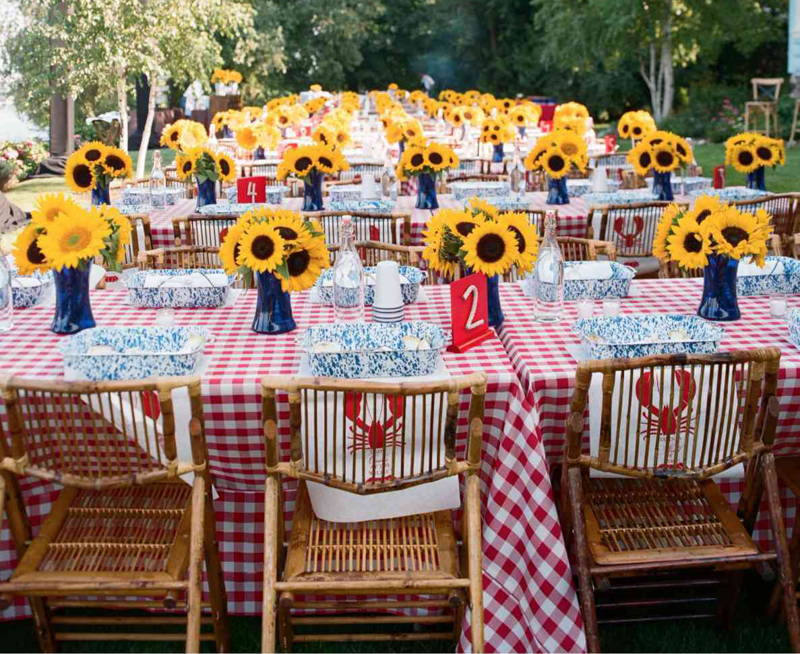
{"type": "Point", "coordinates": [472, 291]}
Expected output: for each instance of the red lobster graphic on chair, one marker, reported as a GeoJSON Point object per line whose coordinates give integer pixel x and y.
{"type": "Point", "coordinates": [666, 420]}
{"type": "Point", "coordinates": [629, 238]}
{"type": "Point", "coordinates": [375, 433]}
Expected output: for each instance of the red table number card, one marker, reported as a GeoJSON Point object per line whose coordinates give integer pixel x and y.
{"type": "Point", "coordinates": [251, 190]}
{"type": "Point", "coordinates": [469, 312]}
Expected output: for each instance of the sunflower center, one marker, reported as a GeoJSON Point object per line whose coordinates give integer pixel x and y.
{"type": "Point", "coordinates": [556, 162]}
{"type": "Point", "coordinates": [297, 262]}
{"type": "Point", "coordinates": [224, 166]}
{"type": "Point", "coordinates": [681, 150]}
{"type": "Point", "coordinates": [734, 235]}
{"type": "Point", "coordinates": [745, 157]}
{"type": "Point", "coordinates": [705, 213]}
{"type": "Point", "coordinates": [644, 159]}
{"type": "Point", "coordinates": [692, 243]}
{"type": "Point", "coordinates": [465, 228]}
{"type": "Point", "coordinates": [187, 166]}
{"type": "Point", "coordinates": [287, 233]}
{"type": "Point", "coordinates": [435, 158]}
{"type": "Point", "coordinates": [114, 162]}
{"type": "Point", "coordinates": [491, 248]}
{"type": "Point", "coordinates": [569, 149]}
{"type": "Point", "coordinates": [637, 130]}
{"type": "Point", "coordinates": [303, 163]}
{"type": "Point", "coordinates": [76, 239]}
{"type": "Point", "coordinates": [92, 154]}
{"type": "Point", "coordinates": [82, 175]}
{"type": "Point", "coordinates": [34, 254]}
{"type": "Point", "coordinates": [262, 247]}
{"type": "Point", "coordinates": [416, 160]}
{"type": "Point", "coordinates": [324, 161]}
{"type": "Point", "coordinates": [764, 153]}
{"type": "Point", "coordinates": [520, 238]}
{"type": "Point", "coordinates": [51, 214]}
{"type": "Point", "coordinates": [664, 158]}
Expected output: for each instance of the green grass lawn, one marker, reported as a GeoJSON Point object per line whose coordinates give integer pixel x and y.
{"type": "Point", "coordinates": [781, 179]}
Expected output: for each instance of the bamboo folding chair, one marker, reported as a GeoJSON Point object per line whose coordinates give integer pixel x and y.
{"type": "Point", "coordinates": [631, 228]}
{"type": "Point", "coordinates": [141, 239]}
{"type": "Point", "coordinates": [643, 500]}
{"type": "Point", "coordinates": [416, 554]}
{"type": "Point", "coordinates": [585, 249]}
{"type": "Point", "coordinates": [127, 531]}
{"type": "Point", "coordinates": [385, 227]}
{"type": "Point", "coordinates": [202, 230]}
{"type": "Point", "coordinates": [784, 209]}
{"type": "Point", "coordinates": [795, 246]}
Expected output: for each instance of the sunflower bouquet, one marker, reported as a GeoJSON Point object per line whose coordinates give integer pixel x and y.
{"type": "Point", "coordinates": [422, 158]}
{"type": "Point", "coordinates": [331, 135]}
{"type": "Point", "coordinates": [257, 135]}
{"type": "Point", "coordinates": [662, 152]}
{"type": "Point", "coordinates": [497, 131]}
{"type": "Point", "coordinates": [403, 130]}
{"type": "Point", "coordinates": [93, 166]}
{"type": "Point", "coordinates": [635, 124]}
{"type": "Point", "coordinates": [750, 153]}
{"type": "Point", "coordinates": [185, 134]}
{"type": "Point", "coordinates": [226, 81]}
{"type": "Point", "coordinates": [524, 115]}
{"type": "Point", "coordinates": [571, 115]}
{"type": "Point", "coordinates": [310, 163]}
{"type": "Point", "coordinates": [207, 167]}
{"type": "Point", "coordinates": [713, 236]}
{"type": "Point", "coordinates": [556, 153]}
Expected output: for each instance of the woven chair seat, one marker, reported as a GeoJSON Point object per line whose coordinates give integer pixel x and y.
{"type": "Point", "coordinates": [421, 544]}
{"type": "Point", "coordinates": [113, 534]}
{"type": "Point", "coordinates": [631, 520]}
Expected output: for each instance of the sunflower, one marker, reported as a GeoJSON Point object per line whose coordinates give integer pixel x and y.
{"type": "Point", "coordinates": [304, 264]}
{"type": "Point", "coordinates": [744, 159]}
{"type": "Point", "coordinates": [184, 167]}
{"type": "Point", "coordinates": [671, 214]}
{"type": "Point", "coordinates": [766, 155]}
{"type": "Point", "coordinates": [261, 248]}
{"type": "Point", "coordinates": [704, 207]}
{"type": "Point", "coordinates": [50, 207]}
{"type": "Point", "coordinates": [68, 242]}
{"type": "Point", "coordinates": [230, 247]}
{"type": "Point", "coordinates": [93, 152]}
{"type": "Point", "coordinates": [288, 224]}
{"type": "Point", "coordinates": [246, 138]}
{"type": "Point", "coordinates": [555, 164]}
{"type": "Point", "coordinates": [641, 158]}
{"type": "Point", "coordinates": [461, 223]}
{"type": "Point", "coordinates": [327, 160]}
{"type": "Point", "coordinates": [437, 156]}
{"type": "Point", "coordinates": [490, 249]}
{"type": "Point", "coordinates": [414, 158]}
{"type": "Point", "coordinates": [27, 254]}
{"type": "Point", "coordinates": [225, 167]}
{"type": "Point", "coordinates": [734, 234]}
{"type": "Point", "coordinates": [571, 145]}
{"type": "Point", "coordinates": [117, 163]}
{"type": "Point", "coordinates": [171, 136]}
{"type": "Point", "coordinates": [664, 159]}
{"type": "Point", "coordinates": [479, 206]}
{"type": "Point", "coordinates": [688, 245]}
{"type": "Point", "coordinates": [526, 238]}
{"type": "Point", "coordinates": [79, 174]}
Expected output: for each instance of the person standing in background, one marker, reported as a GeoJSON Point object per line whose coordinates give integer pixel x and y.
{"type": "Point", "coordinates": [427, 83]}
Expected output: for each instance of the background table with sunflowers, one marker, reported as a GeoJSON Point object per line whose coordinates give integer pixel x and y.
{"type": "Point", "coordinates": [528, 593]}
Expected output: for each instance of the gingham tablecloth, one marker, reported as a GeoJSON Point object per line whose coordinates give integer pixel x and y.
{"type": "Point", "coordinates": [529, 600]}
{"type": "Point", "coordinates": [571, 217]}
{"type": "Point", "coordinates": [547, 369]}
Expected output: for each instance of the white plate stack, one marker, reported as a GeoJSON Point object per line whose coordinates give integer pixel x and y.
{"type": "Point", "coordinates": [388, 304]}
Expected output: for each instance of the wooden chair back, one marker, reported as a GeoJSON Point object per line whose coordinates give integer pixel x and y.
{"type": "Point", "coordinates": [372, 437]}
{"type": "Point", "coordinates": [141, 239]}
{"type": "Point", "coordinates": [359, 170]}
{"type": "Point", "coordinates": [172, 180]}
{"type": "Point", "coordinates": [630, 227]}
{"type": "Point", "coordinates": [612, 160]}
{"type": "Point", "coordinates": [99, 434]}
{"type": "Point", "coordinates": [766, 89]}
{"type": "Point", "coordinates": [202, 230]}
{"type": "Point", "coordinates": [784, 209]}
{"type": "Point", "coordinates": [696, 415]}
{"type": "Point", "coordinates": [373, 252]}
{"type": "Point", "coordinates": [187, 257]}
{"type": "Point", "coordinates": [268, 170]}
{"type": "Point", "coordinates": [468, 165]}
{"type": "Point", "coordinates": [795, 246]}
{"type": "Point", "coordinates": [585, 249]}
{"type": "Point", "coordinates": [630, 180]}
{"type": "Point", "coordinates": [387, 228]}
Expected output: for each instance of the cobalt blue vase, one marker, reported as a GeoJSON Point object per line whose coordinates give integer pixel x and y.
{"type": "Point", "coordinates": [73, 309]}
{"type": "Point", "coordinates": [497, 153]}
{"type": "Point", "coordinates": [557, 190]}
{"type": "Point", "coordinates": [493, 299]}
{"type": "Point", "coordinates": [273, 306]}
{"type": "Point", "coordinates": [662, 186]}
{"type": "Point", "coordinates": [101, 195]}
{"type": "Point", "coordinates": [426, 192]}
{"type": "Point", "coordinates": [719, 289]}
{"type": "Point", "coordinates": [756, 179]}
{"type": "Point", "coordinates": [206, 193]}
{"type": "Point", "coordinates": [521, 132]}
{"type": "Point", "coordinates": [312, 191]}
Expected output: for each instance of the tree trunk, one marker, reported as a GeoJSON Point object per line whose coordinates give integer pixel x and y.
{"type": "Point", "coordinates": [122, 106]}
{"type": "Point", "coordinates": [668, 86]}
{"type": "Point", "coordinates": [148, 127]}
{"type": "Point", "coordinates": [660, 73]}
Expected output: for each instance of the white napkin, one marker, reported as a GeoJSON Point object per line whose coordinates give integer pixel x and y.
{"type": "Point", "coordinates": [338, 505]}
{"type": "Point", "coordinates": [589, 270]}
{"type": "Point", "coordinates": [193, 280]}
{"type": "Point", "coordinates": [751, 269]}
{"type": "Point", "coordinates": [26, 282]}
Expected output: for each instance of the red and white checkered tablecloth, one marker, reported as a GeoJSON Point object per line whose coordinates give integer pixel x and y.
{"type": "Point", "coordinates": [547, 369]}
{"type": "Point", "coordinates": [530, 604]}
{"type": "Point", "coordinates": [571, 217]}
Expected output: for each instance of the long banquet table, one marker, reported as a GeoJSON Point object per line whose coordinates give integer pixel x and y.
{"type": "Point", "coordinates": [541, 356]}
{"type": "Point", "coordinates": [530, 603]}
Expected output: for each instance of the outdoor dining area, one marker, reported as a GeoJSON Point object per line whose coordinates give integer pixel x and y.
{"type": "Point", "coordinates": [394, 367]}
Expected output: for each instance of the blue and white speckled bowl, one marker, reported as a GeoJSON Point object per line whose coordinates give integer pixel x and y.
{"type": "Point", "coordinates": [345, 193]}
{"type": "Point", "coordinates": [374, 206]}
{"type": "Point", "coordinates": [644, 335]}
{"type": "Point", "coordinates": [793, 320]}
{"type": "Point", "coordinates": [463, 191]}
{"type": "Point", "coordinates": [730, 193]}
{"type": "Point", "coordinates": [410, 290]}
{"type": "Point", "coordinates": [786, 283]}
{"type": "Point", "coordinates": [139, 352]}
{"type": "Point", "coordinates": [184, 298]}
{"type": "Point", "coordinates": [372, 350]}
{"type": "Point", "coordinates": [274, 195]}
{"type": "Point", "coordinates": [28, 296]}
{"type": "Point", "coordinates": [617, 285]}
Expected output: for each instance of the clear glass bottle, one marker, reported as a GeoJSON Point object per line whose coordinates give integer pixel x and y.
{"type": "Point", "coordinates": [516, 176]}
{"type": "Point", "coordinates": [6, 295]}
{"type": "Point", "coordinates": [212, 137]}
{"type": "Point", "coordinates": [348, 277]}
{"type": "Point", "coordinates": [388, 180]}
{"type": "Point", "coordinates": [158, 183]}
{"type": "Point", "coordinates": [548, 282]}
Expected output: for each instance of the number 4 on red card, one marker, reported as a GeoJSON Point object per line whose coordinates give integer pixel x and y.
{"type": "Point", "coordinates": [251, 190]}
{"type": "Point", "coordinates": [469, 312]}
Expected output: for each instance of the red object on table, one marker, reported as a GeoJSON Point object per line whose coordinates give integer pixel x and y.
{"type": "Point", "coordinates": [469, 312]}
{"type": "Point", "coordinates": [719, 177]}
{"type": "Point", "coordinates": [251, 189]}
{"type": "Point", "coordinates": [546, 125]}
{"type": "Point", "coordinates": [611, 142]}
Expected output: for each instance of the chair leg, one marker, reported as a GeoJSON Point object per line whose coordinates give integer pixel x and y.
{"type": "Point", "coordinates": [42, 624]}
{"type": "Point", "coordinates": [585, 590]}
{"type": "Point", "coordinates": [474, 560]}
{"type": "Point", "coordinates": [785, 579]}
{"type": "Point", "coordinates": [194, 598]}
{"type": "Point", "coordinates": [216, 581]}
{"type": "Point", "coordinates": [285, 631]}
{"type": "Point", "coordinates": [456, 600]}
{"type": "Point", "coordinates": [271, 553]}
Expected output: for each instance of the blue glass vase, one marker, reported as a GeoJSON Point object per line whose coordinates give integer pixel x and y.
{"type": "Point", "coordinates": [521, 132]}
{"type": "Point", "coordinates": [206, 193]}
{"type": "Point", "coordinates": [497, 153]}
{"type": "Point", "coordinates": [719, 289]}
{"type": "Point", "coordinates": [756, 179]}
{"type": "Point", "coordinates": [258, 153]}
{"type": "Point", "coordinates": [402, 145]}
{"type": "Point", "coordinates": [101, 195]}
{"type": "Point", "coordinates": [662, 186]}
{"type": "Point", "coordinates": [273, 306]}
{"type": "Point", "coordinates": [73, 308]}
{"type": "Point", "coordinates": [557, 191]}
{"type": "Point", "coordinates": [312, 191]}
{"type": "Point", "coordinates": [426, 192]}
{"type": "Point", "coordinates": [493, 299]}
